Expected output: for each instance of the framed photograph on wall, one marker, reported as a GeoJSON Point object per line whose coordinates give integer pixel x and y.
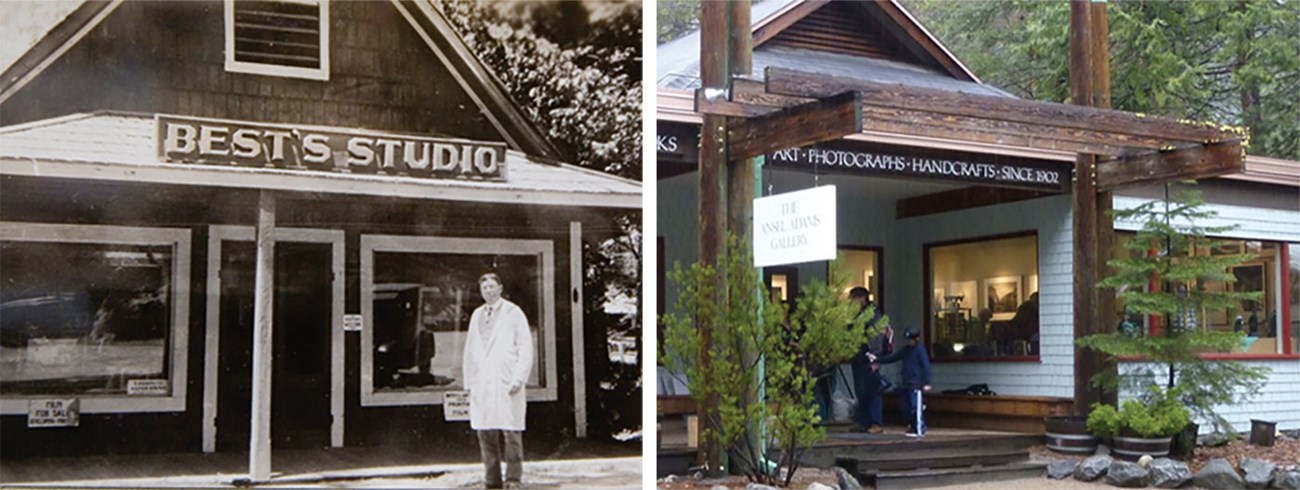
{"type": "Point", "coordinates": [1251, 278]}
{"type": "Point", "coordinates": [1002, 295]}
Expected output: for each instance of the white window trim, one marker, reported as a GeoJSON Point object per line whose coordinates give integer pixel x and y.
{"type": "Point", "coordinates": [418, 244]}
{"type": "Point", "coordinates": [179, 240]}
{"type": "Point", "coordinates": [322, 73]}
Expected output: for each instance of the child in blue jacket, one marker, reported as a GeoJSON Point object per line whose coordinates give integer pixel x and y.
{"type": "Point", "coordinates": [916, 379]}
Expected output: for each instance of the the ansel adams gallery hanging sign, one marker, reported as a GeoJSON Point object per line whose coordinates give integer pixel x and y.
{"type": "Point", "coordinates": [795, 227]}
{"type": "Point", "coordinates": [260, 145]}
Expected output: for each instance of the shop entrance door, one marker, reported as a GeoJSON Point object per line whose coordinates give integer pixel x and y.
{"type": "Point", "coordinates": [307, 296]}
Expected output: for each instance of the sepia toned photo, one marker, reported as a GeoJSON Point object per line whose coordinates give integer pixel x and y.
{"type": "Point", "coordinates": [321, 243]}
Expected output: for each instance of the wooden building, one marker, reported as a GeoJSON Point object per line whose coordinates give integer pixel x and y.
{"type": "Point", "coordinates": [967, 240]}
{"type": "Point", "coordinates": [140, 144]}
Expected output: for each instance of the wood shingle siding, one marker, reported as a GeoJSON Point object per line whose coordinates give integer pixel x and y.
{"type": "Point", "coordinates": [168, 57]}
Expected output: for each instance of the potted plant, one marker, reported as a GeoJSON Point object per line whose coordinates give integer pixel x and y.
{"type": "Point", "coordinates": [1140, 427]}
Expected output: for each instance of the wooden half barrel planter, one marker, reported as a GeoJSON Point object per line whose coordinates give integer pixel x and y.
{"type": "Point", "coordinates": [1069, 434]}
{"type": "Point", "coordinates": [1130, 446]}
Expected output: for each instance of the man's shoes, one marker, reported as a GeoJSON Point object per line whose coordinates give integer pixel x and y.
{"type": "Point", "coordinates": [875, 429]}
{"type": "Point", "coordinates": [913, 435]}
{"type": "Point", "coordinates": [513, 484]}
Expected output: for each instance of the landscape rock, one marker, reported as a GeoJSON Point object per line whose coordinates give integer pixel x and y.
{"type": "Point", "coordinates": [1258, 473]}
{"type": "Point", "coordinates": [1218, 473]}
{"type": "Point", "coordinates": [1215, 439]}
{"type": "Point", "coordinates": [697, 476]}
{"type": "Point", "coordinates": [846, 480]}
{"type": "Point", "coordinates": [669, 479]}
{"type": "Point", "coordinates": [758, 486]}
{"type": "Point", "coordinates": [1093, 468]}
{"type": "Point", "coordinates": [1167, 473]}
{"type": "Point", "coordinates": [819, 486]}
{"type": "Point", "coordinates": [1126, 474]}
{"type": "Point", "coordinates": [1060, 469]}
{"type": "Point", "coordinates": [1287, 479]}
{"type": "Point", "coordinates": [1145, 460]}
{"type": "Point", "coordinates": [719, 487]}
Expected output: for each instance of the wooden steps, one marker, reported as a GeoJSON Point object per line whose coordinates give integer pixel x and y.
{"type": "Point", "coordinates": [888, 462]}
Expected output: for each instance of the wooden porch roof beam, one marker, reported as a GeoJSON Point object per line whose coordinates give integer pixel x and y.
{"type": "Point", "coordinates": [750, 100]}
{"type": "Point", "coordinates": [1122, 125]}
{"type": "Point", "coordinates": [1200, 162]}
{"type": "Point", "coordinates": [827, 119]}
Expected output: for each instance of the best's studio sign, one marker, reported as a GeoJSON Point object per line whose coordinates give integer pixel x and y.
{"type": "Point", "coordinates": [218, 142]}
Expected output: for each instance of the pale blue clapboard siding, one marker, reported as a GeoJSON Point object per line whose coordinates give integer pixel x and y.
{"type": "Point", "coordinates": [1253, 223]}
{"type": "Point", "coordinates": [1278, 401]}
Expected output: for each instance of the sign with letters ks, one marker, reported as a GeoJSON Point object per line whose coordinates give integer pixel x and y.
{"type": "Point", "coordinates": [53, 413]}
{"type": "Point", "coordinates": [455, 406]}
{"type": "Point", "coordinates": [261, 145]}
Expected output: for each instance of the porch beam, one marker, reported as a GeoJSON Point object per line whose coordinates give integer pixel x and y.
{"type": "Point", "coordinates": [812, 122]}
{"type": "Point", "coordinates": [964, 198]}
{"type": "Point", "coordinates": [259, 439]}
{"type": "Point", "coordinates": [784, 81]}
{"type": "Point", "coordinates": [1199, 162]}
{"type": "Point", "coordinates": [749, 100]}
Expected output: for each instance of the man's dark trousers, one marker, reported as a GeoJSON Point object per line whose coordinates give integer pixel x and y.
{"type": "Point", "coordinates": [866, 385]}
{"type": "Point", "coordinates": [490, 444]}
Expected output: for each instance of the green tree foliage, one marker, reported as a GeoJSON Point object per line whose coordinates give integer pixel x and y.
{"type": "Point", "coordinates": [1171, 228]}
{"type": "Point", "coordinates": [583, 91]}
{"type": "Point", "coordinates": [1234, 62]}
{"type": "Point", "coordinates": [761, 367]}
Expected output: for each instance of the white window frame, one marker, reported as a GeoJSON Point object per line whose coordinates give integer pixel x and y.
{"type": "Point", "coordinates": [370, 244]}
{"type": "Point", "coordinates": [322, 73]}
{"type": "Point", "coordinates": [179, 241]}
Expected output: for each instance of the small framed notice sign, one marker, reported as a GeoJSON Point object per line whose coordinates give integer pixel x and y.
{"type": "Point", "coordinates": [146, 387]}
{"type": "Point", "coordinates": [64, 412]}
{"type": "Point", "coordinates": [455, 406]}
{"type": "Point", "coordinates": [352, 323]}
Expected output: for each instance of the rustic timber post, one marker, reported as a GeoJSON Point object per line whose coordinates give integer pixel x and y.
{"type": "Point", "coordinates": [259, 443]}
{"type": "Point", "coordinates": [715, 77]}
{"type": "Point", "coordinates": [1105, 200]}
{"type": "Point", "coordinates": [1086, 321]}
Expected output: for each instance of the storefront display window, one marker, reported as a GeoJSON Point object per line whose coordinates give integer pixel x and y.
{"type": "Point", "coordinates": [864, 271]}
{"type": "Point", "coordinates": [91, 312]}
{"type": "Point", "coordinates": [420, 295]}
{"type": "Point", "coordinates": [984, 300]}
{"type": "Point", "coordinates": [1260, 321]}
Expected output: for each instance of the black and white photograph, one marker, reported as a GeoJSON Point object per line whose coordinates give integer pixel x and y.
{"type": "Point", "coordinates": [321, 243]}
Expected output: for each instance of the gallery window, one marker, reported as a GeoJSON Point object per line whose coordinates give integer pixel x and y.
{"type": "Point", "coordinates": [1260, 320]}
{"type": "Point", "coordinates": [984, 298]}
{"type": "Point", "coordinates": [287, 38]}
{"type": "Point", "coordinates": [418, 294]}
{"type": "Point", "coordinates": [95, 313]}
{"type": "Point", "coordinates": [863, 266]}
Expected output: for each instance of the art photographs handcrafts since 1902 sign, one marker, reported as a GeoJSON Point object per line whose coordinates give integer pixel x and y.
{"type": "Point", "coordinates": [795, 227]}
{"type": "Point", "coordinates": [260, 145]}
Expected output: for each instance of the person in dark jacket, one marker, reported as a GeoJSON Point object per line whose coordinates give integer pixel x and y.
{"type": "Point", "coordinates": [915, 380]}
{"type": "Point", "coordinates": [866, 375]}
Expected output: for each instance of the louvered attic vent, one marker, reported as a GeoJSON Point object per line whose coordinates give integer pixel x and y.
{"type": "Point", "coordinates": [278, 37]}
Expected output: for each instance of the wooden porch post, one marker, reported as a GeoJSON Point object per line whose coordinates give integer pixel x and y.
{"type": "Point", "coordinates": [259, 441]}
{"type": "Point", "coordinates": [1085, 224]}
{"type": "Point", "coordinates": [714, 77]}
{"type": "Point", "coordinates": [1106, 302]}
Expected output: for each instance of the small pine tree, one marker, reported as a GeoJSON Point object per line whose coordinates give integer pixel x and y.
{"type": "Point", "coordinates": [760, 367]}
{"type": "Point", "coordinates": [1170, 228]}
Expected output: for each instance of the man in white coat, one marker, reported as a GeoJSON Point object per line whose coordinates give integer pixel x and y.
{"type": "Point", "coordinates": [498, 359]}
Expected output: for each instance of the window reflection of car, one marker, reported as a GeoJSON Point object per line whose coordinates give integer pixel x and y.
{"type": "Point", "coordinates": [53, 315]}
{"type": "Point", "coordinates": [403, 347]}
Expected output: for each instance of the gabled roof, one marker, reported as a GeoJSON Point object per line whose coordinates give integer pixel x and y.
{"type": "Point", "coordinates": [121, 146]}
{"type": "Point", "coordinates": [920, 59]}
{"type": "Point", "coordinates": [430, 25]}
